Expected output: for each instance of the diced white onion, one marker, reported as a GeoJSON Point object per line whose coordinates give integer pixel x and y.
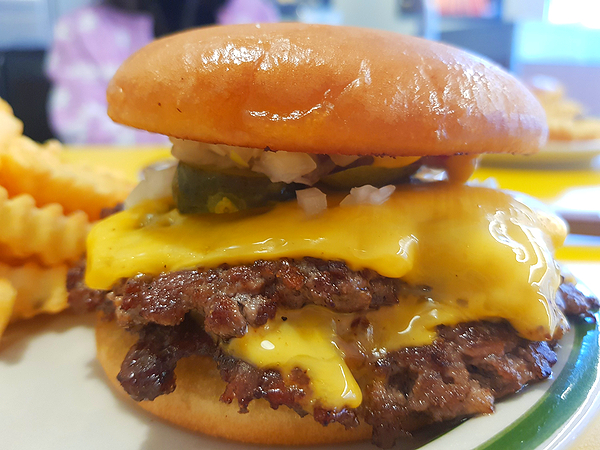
{"type": "Point", "coordinates": [430, 174]}
{"type": "Point", "coordinates": [288, 167]}
{"type": "Point", "coordinates": [221, 156]}
{"type": "Point", "coordinates": [312, 201]}
{"type": "Point", "coordinates": [156, 184]}
{"type": "Point", "coordinates": [368, 195]}
{"type": "Point", "coordinates": [324, 166]}
{"type": "Point", "coordinates": [491, 183]}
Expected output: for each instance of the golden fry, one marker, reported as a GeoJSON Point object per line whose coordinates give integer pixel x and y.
{"type": "Point", "coordinates": [8, 296]}
{"type": "Point", "coordinates": [38, 289]}
{"type": "Point", "coordinates": [566, 119]}
{"type": "Point", "coordinates": [574, 130]}
{"type": "Point", "coordinates": [41, 233]}
{"type": "Point", "coordinates": [5, 107]}
{"type": "Point", "coordinates": [29, 168]}
{"type": "Point", "coordinates": [10, 126]}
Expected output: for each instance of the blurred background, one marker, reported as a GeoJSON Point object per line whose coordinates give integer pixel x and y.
{"type": "Point", "coordinates": [49, 49]}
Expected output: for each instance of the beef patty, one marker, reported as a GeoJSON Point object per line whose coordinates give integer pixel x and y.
{"type": "Point", "coordinates": [189, 312]}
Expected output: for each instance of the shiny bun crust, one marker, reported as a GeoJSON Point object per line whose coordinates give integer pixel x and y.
{"type": "Point", "coordinates": [324, 89]}
{"type": "Point", "coordinates": [195, 402]}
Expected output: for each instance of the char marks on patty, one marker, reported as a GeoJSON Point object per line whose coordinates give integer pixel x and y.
{"type": "Point", "coordinates": [462, 373]}
{"type": "Point", "coordinates": [185, 313]}
{"type": "Point", "coordinates": [575, 303]}
{"type": "Point", "coordinates": [148, 369]}
{"type": "Point", "coordinates": [231, 298]}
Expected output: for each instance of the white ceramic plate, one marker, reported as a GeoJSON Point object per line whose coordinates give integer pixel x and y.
{"type": "Point", "coordinates": [54, 395]}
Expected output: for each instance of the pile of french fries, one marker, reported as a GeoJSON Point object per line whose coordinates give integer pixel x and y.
{"type": "Point", "coordinates": [46, 209]}
{"type": "Point", "coordinates": [566, 118]}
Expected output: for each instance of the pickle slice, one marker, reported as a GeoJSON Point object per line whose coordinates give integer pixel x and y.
{"type": "Point", "coordinates": [208, 190]}
{"type": "Point", "coordinates": [374, 175]}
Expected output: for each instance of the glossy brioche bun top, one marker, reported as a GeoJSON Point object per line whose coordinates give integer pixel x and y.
{"type": "Point", "coordinates": [324, 89]}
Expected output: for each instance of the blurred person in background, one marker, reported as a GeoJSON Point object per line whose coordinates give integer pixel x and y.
{"type": "Point", "coordinates": [92, 42]}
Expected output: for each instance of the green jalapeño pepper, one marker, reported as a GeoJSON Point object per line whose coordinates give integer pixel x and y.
{"type": "Point", "coordinates": [198, 190]}
{"type": "Point", "coordinates": [377, 176]}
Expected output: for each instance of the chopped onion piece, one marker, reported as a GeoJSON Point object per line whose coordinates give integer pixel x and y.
{"type": "Point", "coordinates": [428, 174]}
{"type": "Point", "coordinates": [195, 154]}
{"type": "Point", "coordinates": [242, 156]}
{"type": "Point", "coordinates": [324, 166]}
{"type": "Point", "coordinates": [490, 183]}
{"type": "Point", "coordinates": [343, 160]}
{"type": "Point", "coordinates": [285, 166]}
{"type": "Point", "coordinates": [368, 195]}
{"type": "Point", "coordinates": [218, 155]}
{"type": "Point", "coordinates": [156, 184]}
{"type": "Point", "coordinates": [312, 201]}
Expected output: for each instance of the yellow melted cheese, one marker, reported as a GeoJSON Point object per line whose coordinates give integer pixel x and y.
{"type": "Point", "coordinates": [306, 339]}
{"type": "Point", "coordinates": [482, 253]}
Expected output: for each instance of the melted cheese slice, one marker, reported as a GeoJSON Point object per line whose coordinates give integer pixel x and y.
{"type": "Point", "coordinates": [307, 338]}
{"type": "Point", "coordinates": [482, 254]}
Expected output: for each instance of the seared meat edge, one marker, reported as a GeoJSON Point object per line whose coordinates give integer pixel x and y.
{"type": "Point", "coordinates": [461, 374]}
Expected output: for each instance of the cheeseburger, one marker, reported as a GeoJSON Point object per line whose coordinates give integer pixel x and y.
{"type": "Point", "coordinates": [314, 268]}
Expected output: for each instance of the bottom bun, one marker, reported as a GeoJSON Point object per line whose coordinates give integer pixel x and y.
{"type": "Point", "coordinates": [195, 402]}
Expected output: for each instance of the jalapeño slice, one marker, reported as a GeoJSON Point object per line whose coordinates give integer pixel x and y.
{"type": "Point", "coordinates": [374, 175]}
{"type": "Point", "coordinates": [200, 190]}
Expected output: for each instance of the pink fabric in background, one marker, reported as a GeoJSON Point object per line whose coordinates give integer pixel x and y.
{"type": "Point", "coordinates": [88, 47]}
{"type": "Point", "coordinates": [247, 11]}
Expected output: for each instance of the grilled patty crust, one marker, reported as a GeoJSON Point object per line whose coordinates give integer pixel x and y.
{"type": "Point", "coordinates": [189, 313]}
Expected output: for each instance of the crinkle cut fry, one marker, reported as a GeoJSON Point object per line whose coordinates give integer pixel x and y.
{"type": "Point", "coordinates": [44, 234]}
{"type": "Point", "coordinates": [10, 126]}
{"type": "Point", "coordinates": [37, 289]}
{"type": "Point", "coordinates": [8, 296]}
{"type": "Point", "coordinates": [29, 168]}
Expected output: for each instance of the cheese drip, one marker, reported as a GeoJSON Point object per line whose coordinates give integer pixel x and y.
{"type": "Point", "coordinates": [470, 245]}
{"type": "Point", "coordinates": [305, 339]}
{"type": "Point", "coordinates": [309, 339]}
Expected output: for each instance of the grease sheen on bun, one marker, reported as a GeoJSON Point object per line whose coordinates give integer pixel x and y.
{"type": "Point", "coordinates": [324, 89]}
{"type": "Point", "coordinates": [195, 402]}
